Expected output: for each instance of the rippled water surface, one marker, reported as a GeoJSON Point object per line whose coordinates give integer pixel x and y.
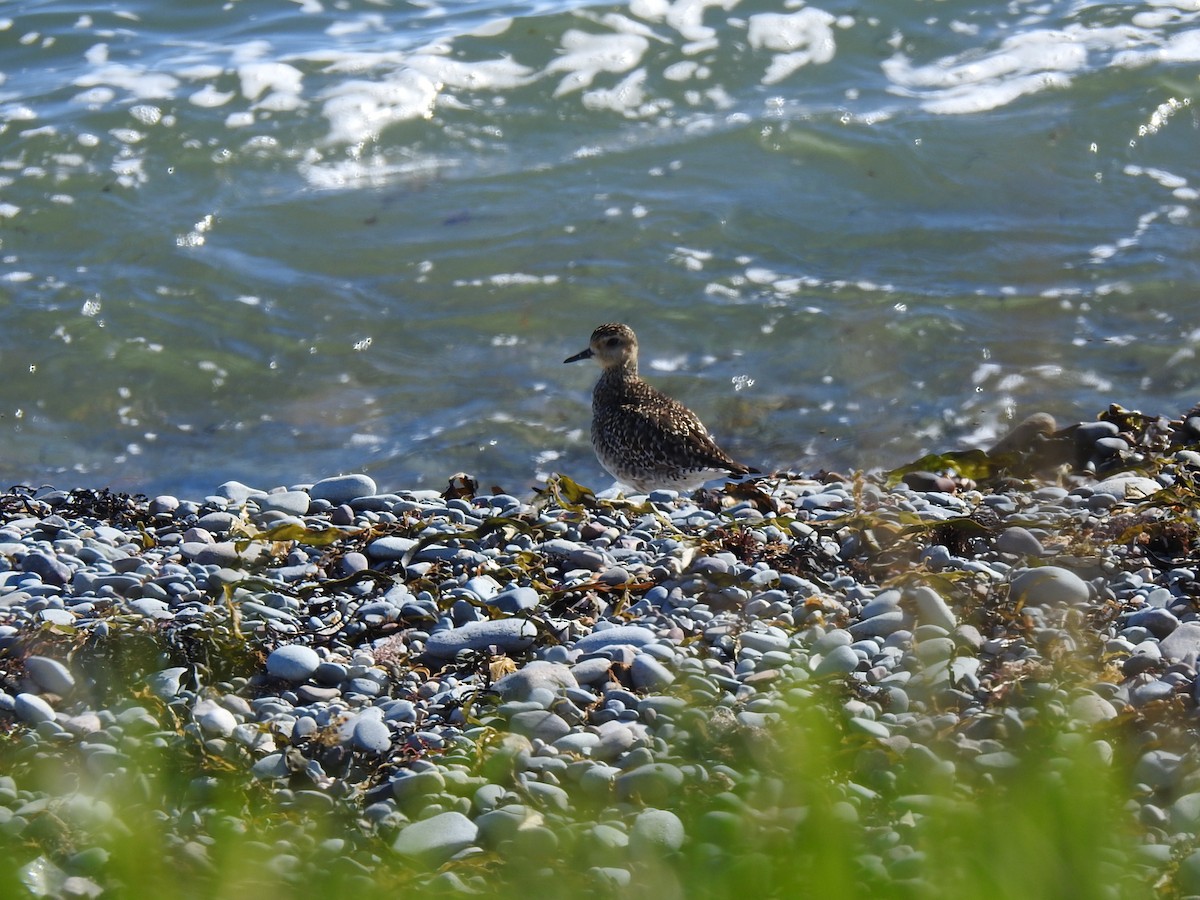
{"type": "Point", "coordinates": [274, 241]}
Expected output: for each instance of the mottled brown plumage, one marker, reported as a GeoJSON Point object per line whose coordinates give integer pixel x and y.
{"type": "Point", "coordinates": [642, 437]}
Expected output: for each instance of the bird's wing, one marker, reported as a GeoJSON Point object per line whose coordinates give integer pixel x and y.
{"type": "Point", "coordinates": [675, 431]}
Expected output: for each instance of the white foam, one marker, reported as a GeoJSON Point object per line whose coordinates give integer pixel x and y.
{"type": "Point", "coordinates": [359, 111]}
{"type": "Point", "coordinates": [800, 38]}
{"type": "Point", "coordinates": [209, 97]}
{"type": "Point", "coordinates": [586, 55]}
{"type": "Point", "coordinates": [1026, 63]}
{"type": "Point", "coordinates": [685, 16]}
{"type": "Point", "coordinates": [137, 80]}
{"type": "Point", "coordinates": [626, 97]}
{"type": "Point", "coordinates": [489, 74]}
{"type": "Point", "coordinates": [276, 77]}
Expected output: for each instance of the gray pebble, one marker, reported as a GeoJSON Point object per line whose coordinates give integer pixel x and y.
{"type": "Point", "coordinates": [166, 683]}
{"type": "Point", "coordinates": [214, 719]}
{"type": "Point", "coordinates": [1159, 622]}
{"type": "Point", "coordinates": [635, 635]}
{"type": "Point", "coordinates": [841, 660]}
{"type": "Point", "coordinates": [1182, 643]}
{"type": "Point", "coordinates": [540, 724]}
{"type": "Point", "coordinates": [343, 488]}
{"type": "Point", "coordinates": [1157, 768]}
{"type": "Point", "coordinates": [656, 831]}
{"type": "Point", "coordinates": [1049, 586]}
{"type": "Point", "coordinates": [1127, 486]}
{"type": "Point", "coordinates": [537, 674]}
{"type": "Point", "coordinates": [390, 547]}
{"type": "Point", "coordinates": [293, 662]}
{"type": "Point", "coordinates": [237, 493]}
{"type": "Point", "coordinates": [290, 503]}
{"type": "Point", "coordinates": [50, 674]}
{"type": "Point", "coordinates": [31, 709]}
{"type": "Point", "coordinates": [648, 673]}
{"type": "Point", "coordinates": [434, 840]}
{"type": "Point", "coordinates": [650, 783]}
{"type": "Point", "coordinates": [516, 600]}
{"type": "Point", "coordinates": [510, 635]}
{"type": "Point", "coordinates": [1019, 541]}
{"type": "Point", "coordinates": [49, 568]}
{"type": "Point", "coordinates": [932, 609]}
{"type": "Point", "coordinates": [372, 735]}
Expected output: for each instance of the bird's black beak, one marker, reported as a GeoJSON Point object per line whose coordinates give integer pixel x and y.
{"type": "Point", "coordinates": [585, 354]}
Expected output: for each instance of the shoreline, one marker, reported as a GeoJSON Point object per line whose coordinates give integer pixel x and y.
{"type": "Point", "coordinates": [483, 694]}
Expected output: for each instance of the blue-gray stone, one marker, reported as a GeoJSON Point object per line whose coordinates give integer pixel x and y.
{"type": "Point", "coordinates": [31, 709]}
{"type": "Point", "coordinates": [408, 784]}
{"type": "Point", "coordinates": [656, 831]}
{"type": "Point", "coordinates": [47, 567]}
{"type": "Point", "coordinates": [651, 783]}
{"type": "Point", "coordinates": [343, 488]}
{"type": "Point", "coordinates": [763, 641]}
{"type": "Point", "coordinates": [1185, 813]}
{"type": "Point", "coordinates": [1182, 642]}
{"type": "Point", "coordinates": [932, 609]}
{"type": "Point", "coordinates": [515, 600]}
{"type": "Point", "coordinates": [151, 609]}
{"type": "Point", "coordinates": [503, 823]}
{"type": "Point", "coordinates": [591, 671]}
{"type": "Point", "coordinates": [237, 493]}
{"type": "Point", "coordinates": [540, 723]}
{"type": "Point", "coordinates": [1158, 769]}
{"type": "Point", "coordinates": [881, 624]}
{"type": "Point", "coordinates": [50, 674]}
{"type": "Point", "coordinates": [291, 503]}
{"type": "Point", "coordinates": [510, 635]}
{"type": "Point", "coordinates": [1049, 586]}
{"type": "Point", "coordinates": [371, 734]}
{"type": "Point", "coordinates": [216, 522]}
{"type": "Point", "coordinates": [1159, 622]}
{"type": "Point", "coordinates": [1127, 486]}
{"type": "Point", "coordinates": [635, 635]}
{"type": "Point", "coordinates": [649, 674]}
{"type": "Point", "coordinates": [272, 766]}
{"type": "Point", "coordinates": [841, 660]}
{"type": "Point", "coordinates": [293, 662]}
{"type": "Point", "coordinates": [537, 674]}
{"type": "Point", "coordinates": [166, 684]}
{"type": "Point", "coordinates": [390, 547]}
{"type": "Point", "coordinates": [214, 719]}
{"type": "Point", "coordinates": [434, 840]}
{"type": "Point", "coordinates": [1019, 541]}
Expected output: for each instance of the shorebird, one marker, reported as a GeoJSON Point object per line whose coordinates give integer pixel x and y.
{"type": "Point", "coordinates": [642, 437]}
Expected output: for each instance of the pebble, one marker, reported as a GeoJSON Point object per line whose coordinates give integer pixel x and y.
{"type": "Point", "coordinates": [293, 662]}
{"type": "Point", "coordinates": [32, 709]}
{"type": "Point", "coordinates": [518, 685]}
{"type": "Point", "coordinates": [50, 674]}
{"type": "Point", "coordinates": [1049, 586]}
{"type": "Point", "coordinates": [372, 735]}
{"type": "Point", "coordinates": [342, 488]}
{"type": "Point", "coordinates": [932, 609]}
{"type": "Point", "coordinates": [509, 635]}
{"type": "Point", "coordinates": [434, 840]}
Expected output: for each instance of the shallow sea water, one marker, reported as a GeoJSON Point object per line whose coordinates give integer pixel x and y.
{"type": "Point", "coordinates": [280, 240]}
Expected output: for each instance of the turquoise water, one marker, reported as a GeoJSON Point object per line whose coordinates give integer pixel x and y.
{"type": "Point", "coordinates": [274, 241]}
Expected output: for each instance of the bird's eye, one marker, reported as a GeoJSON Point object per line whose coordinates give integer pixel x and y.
{"type": "Point", "coordinates": [613, 341]}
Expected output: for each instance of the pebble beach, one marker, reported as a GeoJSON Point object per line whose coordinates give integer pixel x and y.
{"type": "Point", "coordinates": [472, 692]}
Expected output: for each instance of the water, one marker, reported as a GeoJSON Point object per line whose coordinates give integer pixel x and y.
{"type": "Point", "coordinates": [274, 241]}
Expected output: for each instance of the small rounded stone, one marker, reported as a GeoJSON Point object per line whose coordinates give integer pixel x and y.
{"type": "Point", "coordinates": [293, 662]}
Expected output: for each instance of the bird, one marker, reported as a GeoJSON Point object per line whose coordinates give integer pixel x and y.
{"type": "Point", "coordinates": [643, 438]}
